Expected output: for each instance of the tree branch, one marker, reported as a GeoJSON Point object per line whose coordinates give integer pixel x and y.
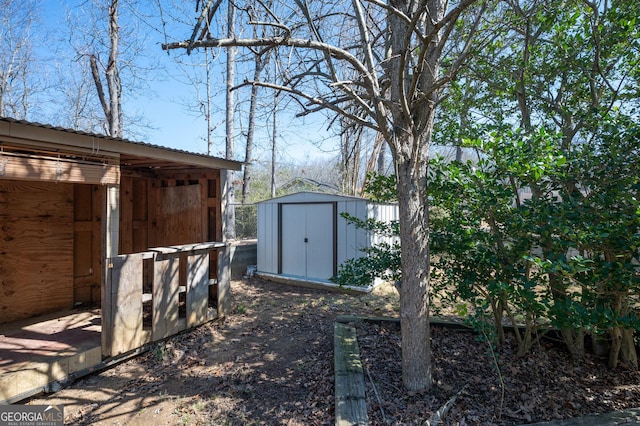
{"type": "Point", "coordinates": [95, 73]}
{"type": "Point", "coordinates": [201, 18]}
{"type": "Point", "coordinates": [313, 100]}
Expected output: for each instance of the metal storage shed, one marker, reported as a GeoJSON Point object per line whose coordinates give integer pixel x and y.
{"type": "Point", "coordinates": [303, 238]}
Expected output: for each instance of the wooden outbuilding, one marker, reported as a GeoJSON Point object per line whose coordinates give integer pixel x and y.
{"type": "Point", "coordinates": [130, 231]}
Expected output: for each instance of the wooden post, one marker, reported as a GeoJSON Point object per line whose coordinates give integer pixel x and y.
{"type": "Point", "coordinates": [110, 225]}
{"type": "Point", "coordinates": [224, 280]}
{"type": "Point", "coordinates": [224, 189]}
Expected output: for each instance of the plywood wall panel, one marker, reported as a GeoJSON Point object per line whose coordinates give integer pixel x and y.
{"type": "Point", "coordinates": [179, 215]}
{"type": "Point", "coordinates": [88, 202]}
{"type": "Point", "coordinates": [36, 248]}
{"type": "Point", "coordinates": [125, 241]}
{"type": "Point", "coordinates": [140, 207]}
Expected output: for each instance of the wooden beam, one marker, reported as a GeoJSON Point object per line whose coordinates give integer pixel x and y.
{"type": "Point", "coordinates": [55, 170]}
{"type": "Point", "coordinates": [351, 403]}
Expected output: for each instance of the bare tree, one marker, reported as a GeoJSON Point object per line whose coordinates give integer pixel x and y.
{"type": "Point", "coordinates": [261, 60]}
{"type": "Point", "coordinates": [112, 106]}
{"type": "Point", "coordinates": [108, 41]}
{"type": "Point", "coordinates": [397, 61]}
{"type": "Point", "coordinates": [76, 98]}
{"type": "Point", "coordinates": [16, 62]}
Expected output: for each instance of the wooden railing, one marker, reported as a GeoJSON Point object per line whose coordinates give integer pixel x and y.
{"type": "Point", "coordinates": [162, 291]}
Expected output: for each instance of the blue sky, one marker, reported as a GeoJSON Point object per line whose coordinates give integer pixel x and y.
{"type": "Point", "coordinates": [163, 104]}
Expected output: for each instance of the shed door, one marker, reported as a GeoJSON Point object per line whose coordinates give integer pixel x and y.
{"type": "Point", "coordinates": [307, 239]}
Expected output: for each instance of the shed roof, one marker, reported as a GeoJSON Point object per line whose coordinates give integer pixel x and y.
{"type": "Point", "coordinates": [24, 134]}
{"type": "Point", "coordinates": [311, 196]}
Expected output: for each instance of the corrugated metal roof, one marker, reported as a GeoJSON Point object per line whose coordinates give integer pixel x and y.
{"type": "Point", "coordinates": [145, 147]}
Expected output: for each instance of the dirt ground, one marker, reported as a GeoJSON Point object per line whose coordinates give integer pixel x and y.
{"type": "Point", "coordinates": [270, 362]}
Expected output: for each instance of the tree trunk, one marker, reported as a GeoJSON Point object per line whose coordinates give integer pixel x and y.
{"type": "Point", "coordinates": [415, 288]}
{"type": "Point", "coordinates": [622, 342]}
{"type": "Point", "coordinates": [113, 108]}
{"type": "Point", "coordinates": [259, 64]}
{"type": "Point", "coordinates": [409, 143]}
{"type": "Point", "coordinates": [350, 155]}
{"type": "Point", "coordinates": [274, 144]}
{"type": "Point", "coordinates": [248, 152]}
{"type": "Point", "coordinates": [573, 337]}
{"type": "Point", "coordinates": [113, 75]}
{"type": "Point", "coordinates": [207, 65]}
{"type": "Point", "coordinates": [615, 334]}
{"type": "Point", "coordinates": [628, 352]}
{"type": "Point", "coordinates": [230, 214]}
{"type": "Point", "coordinates": [381, 166]}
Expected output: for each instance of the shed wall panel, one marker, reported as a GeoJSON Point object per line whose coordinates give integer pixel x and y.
{"type": "Point", "coordinates": [268, 238]}
{"type": "Point", "coordinates": [87, 249]}
{"type": "Point", "coordinates": [36, 248]}
{"type": "Point", "coordinates": [351, 239]}
{"type": "Point", "coordinates": [346, 232]}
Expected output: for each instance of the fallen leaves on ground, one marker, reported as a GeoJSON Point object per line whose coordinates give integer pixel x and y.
{"type": "Point", "coordinates": [499, 387]}
{"type": "Point", "coordinates": [270, 362]}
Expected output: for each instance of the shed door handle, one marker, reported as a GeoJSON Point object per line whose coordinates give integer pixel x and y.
{"type": "Point", "coordinates": [306, 240]}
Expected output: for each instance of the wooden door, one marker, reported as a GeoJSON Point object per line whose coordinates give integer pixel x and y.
{"type": "Point", "coordinates": [87, 248]}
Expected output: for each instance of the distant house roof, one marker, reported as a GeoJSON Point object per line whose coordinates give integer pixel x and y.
{"type": "Point", "coordinates": [300, 184]}
{"type": "Point", "coordinates": [20, 134]}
